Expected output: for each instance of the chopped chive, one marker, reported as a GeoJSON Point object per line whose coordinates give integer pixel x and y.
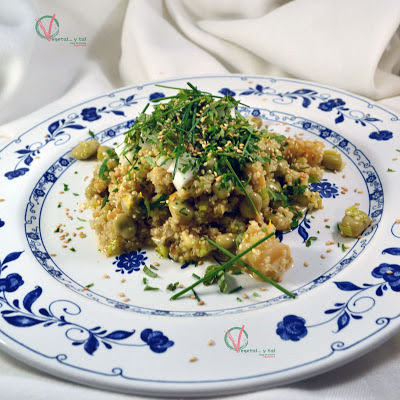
{"type": "Point", "coordinates": [343, 247]}
{"type": "Point", "coordinates": [65, 187]}
{"type": "Point", "coordinates": [91, 133]}
{"type": "Point", "coordinates": [59, 206]}
{"type": "Point", "coordinates": [327, 226]}
{"type": "Point", "coordinates": [241, 185]}
{"type": "Point", "coordinates": [153, 267]}
{"type": "Point", "coordinates": [115, 190]}
{"type": "Point", "coordinates": [149, 272]}
{"type": "Point", "coordinates": [150, 288]}
{"type": "Point", "coordinates": [236, 289]}
{"type": "Point", "coordinates": [104, 202]}
{"type": "Point", "coordinates": [255, 294]}
{"type": "Point", "coordinates": [390, 170]}
{"type": "Point", "coordinates": [238, 258]}
{"type": "Point", "coordinates": [79, 228]}
{"type": "Point", "coordinates": [81, 219]}
{"type": "Point", "coordinates": [172, 286]}
{"type": "Point", "coordinates": [239, 299]}
{"type": "Point", "coordinates": [72, 249]}
{"type": "Point", "coordinates": [75, 194]}
{"type": "Point", "coordinates": [196, 276]}
{"type": "Point", "coordinates": [90, 285]}
{"type": "Point", "coordinates": [144, 280]}
{"type": "Point", "coordinates": [309, 240]}
{"type": "Point", "coordinates": [338, 245]}
{"type": "Point", "coordinates": [195, 295]}
{"type": "Point", "coordinates": [223, 266]}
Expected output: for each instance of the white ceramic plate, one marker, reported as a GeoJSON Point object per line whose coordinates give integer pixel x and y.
{"type": "Point", "coordinates": [346, 304]}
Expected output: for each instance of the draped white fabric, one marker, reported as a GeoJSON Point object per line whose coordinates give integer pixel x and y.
{"type": "Point", "coordinates": [350, 44]}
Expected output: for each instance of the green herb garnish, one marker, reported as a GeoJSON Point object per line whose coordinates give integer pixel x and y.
{"type": "Point", "coordinates": [89, 286]}
{"type": "Point", "coordinates": [144, 280]}
{"type": "Point", "coordinates": [343, 247]}
{"type": "Point", "coordinates": [195, 276]}
{"type": "Point", "coordinates": [75, 194]}
{"type": "Point", "coordinates": [149, 272]}
{"type": "Point", "coordinates": [91, 133]}
{"type": "Point", "coordinates": [309, 240]}
{"type": "Point", "coordinates": [81, 219]}
{"type": "Point", "coordinates": [390, 170]}
{"type": "Point", "coordinates": [327, 226]}
{"type": "Point", "coordinates": [147, 287]}
{"type": "Point", "coordinates": [59, 206]}
{"type": "Point", "coordinates": [65, 187]}
{"type": "Point", "coordinates": [172, 286]}
{"type": "Point", "coordinates": [105, 200]}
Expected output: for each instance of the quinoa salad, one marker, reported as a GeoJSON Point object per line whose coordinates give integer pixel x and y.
{"type": "Point", "coordinates": [194, 178]}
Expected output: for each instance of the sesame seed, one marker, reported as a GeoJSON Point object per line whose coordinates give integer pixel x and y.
{"type": "Point", "coordinates": [1, 200]}
{"type": "Point", "coordinates": [394, 159]}
{"type": "Point", "coordinates": [53, 254]}
{"type": "Point", "coordinates": [335, 172]}
{"type": "Point", "coordinates": [126, 299]}
{"type": "Point", "coordinates": [245, 296]}
{"type": "Point", "coordinates": [192, 296]}
{"type": "Point", "coordinates": [389, 272]}
{"type": "Point", "coordinates": [322, 255]}
{"type": "Point", "coordinates": [328, 242]}
{"type": "Point", "coordinates": [180, 285]}
{"type": "Point", "coordinates": [230, 272]}
{"type": "Point", "coordinates": [201, 303]}
{"type": "Point", "coordinates": [357, 204]}
{"type": "Point", "coordinates": [355, 190]}
{"type": "Point", "coordinates": [306, 264]}
{"type": "Point", "coordinates": [85, 288]}
{"type": "Point", "coordinates": [61, 192]}
{"type": "Point", "coordinates": [211, 342]}
{"type": "Point", "coordinates": [343, 192]}
{"type": "Point", "coordinates": [123, 280]}
{"type": "Point", "coordinates": [200, 262]}
{"type": "Point", "coordinates": [263, 289]}
{"type": "Point", "coordinates": [82, 235]}
{"type": "Point", "coordinates": [360, 192]}
{"type": "Point", "coordinates": [64, 246]}
{"type": "Point", "coordinates": [73, 234]}
{"type": "Point", "coordinates": [329, 250]}
{"type": "Point", "coordinates": [280, 279]}
{"type": "Point", "coordinates": [326, 219]}
{"type": "Point", "coordinates": [105, 276]}
{"type": "Point", "coordinates": [397, 221]}
{"type": "Point", "coordinates": [193, 359]}
{"type": "Point", "coordinates": [343, 176]}
{"type": "Point", "coordinates": [156, 264]}
{"type": "Point", "coordinates": [121, 294]}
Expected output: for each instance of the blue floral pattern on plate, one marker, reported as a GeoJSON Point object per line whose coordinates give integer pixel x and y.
{"type": "Point", "coordinates": [130, 262]}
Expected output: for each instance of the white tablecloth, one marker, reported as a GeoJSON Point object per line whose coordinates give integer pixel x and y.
{"type": "Point", "coordinates": [351, 44]}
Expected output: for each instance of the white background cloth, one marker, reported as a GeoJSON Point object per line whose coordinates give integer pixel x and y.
{"type": "Point", "coordinates": [351, 44]}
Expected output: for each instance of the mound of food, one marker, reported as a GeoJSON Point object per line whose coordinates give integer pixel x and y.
{"type": "Point", "coordinates": [196, 168]}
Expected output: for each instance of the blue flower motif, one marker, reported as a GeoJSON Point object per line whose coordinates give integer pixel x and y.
{"type": "Point", "coordinates": [157, 341]}
{"type": "Point", "coordinates": [381, 135]}
{"type": "Point", "coordinates": [41, 255]}
{"type": "Point", "coordinates": [63, 162]}
{"type": "Point", "coordinates": [331, 104]}
{"type": "Point", "coordinates": [110, 133]}
{"type": "Point", "coordinates": [376, 214]}
{"type": "Point", "coordinates": [376, 195]}
{"type": "Point", "coordinates": [325, 189]}
{"type": "Point", "coordinates": [306, 125]}
{"type": "Point", "coordinates": [256, 112]}
{"type": "Point", "coordinates": [292, 328]}
{"type": "Point", "coordinates": [33, 236]}
{"type": "Point", "coordinates": [325, 133]}
{"type": "Point", "coordinates": [11, 283]}
{"type": "Point", "coordinates": [38, 193]}
{"type": "Point", "coordinates": [16, 173]}
{"type": "Point", "coordinates": [156, 95]}
{"type": "Point", "coordinates": [343, 143]}
{"type": "Point", "coordinates": [392, 278]}
{"type": "Point", "coordinates": [371, 178]}
{"type": "Point", "coordinates": [49, 177]}
{"type": "Point", "coordinates": [1, 223]}
{"type": "Point", "coordinates": [226, 91]}
{"type": "Point", "coordinates": [90, 114]}
{"type": "Point", "coordinates": [130, 262]}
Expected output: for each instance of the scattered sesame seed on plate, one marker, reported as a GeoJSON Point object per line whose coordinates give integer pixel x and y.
{"type": "Point", "coordinates": [263, 289]}
{"type": "Point", "coordinates": [123, 280]}
{"type": "Point", "coordinates": [323, 256]}
{"type": "Point", "coordinates": [211, 342]}
{"type": "Point", "coordinates": [397, 221]}
{"type": "Point", "coordinates": [53, 254]}
{"type": "Point", "coordinates": [1, 200]}
{"type": "Point", "coordinates": [193, 359]}
{"type": "Point", "coordinates": [180, 285]}
{"type": "Point", "coordinates": [245, 296]}
{"type": "Point", "coordinates": [200, 262]}
{"type": "Point", "coordinates": [360, 191]}
{"type": "Point", "coordinates": [329, 250]}
{"type": "Point", "coordinates": [192, 296]}
{"type": "Point", "coordinates": [126, 299]}
{"type": "Point", "coordinates": [121, 294]}
{"type": "Point", "coordinates": [105, 276]}
{"type": "Point", "coordinates": [64, 246]}
{"type": "Point", "coordinates": [306, 264]}
{"type": "Point", "coordinates": [326, 219]}
{"type": "Point", "coordinates": [201, 303]}
{"type": "Point", "coordinates": [389, 272]}
{"type": "Point", "coordinates": [156, 264]}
